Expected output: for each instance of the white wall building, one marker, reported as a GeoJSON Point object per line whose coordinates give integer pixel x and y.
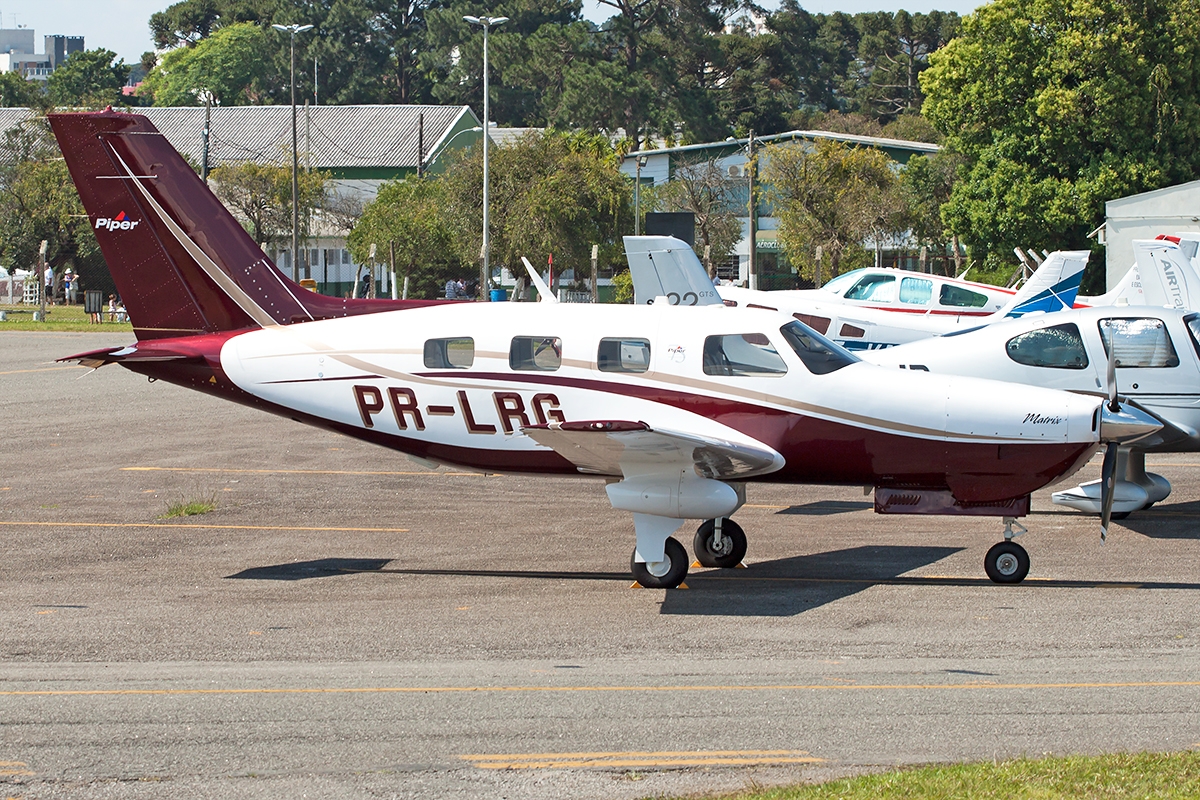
{"type": "Point", "coordinates": [1144, 216]}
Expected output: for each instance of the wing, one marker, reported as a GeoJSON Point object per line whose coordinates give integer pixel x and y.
{"type": "Point", "coordinates": [613, 447]}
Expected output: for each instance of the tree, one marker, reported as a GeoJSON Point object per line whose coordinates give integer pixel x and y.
{"type": "Point", "coordinates": [227, 68]}
{"type": "Point", "coordinates": [554, 193]}
{"type": "Point", "coordinates": [38, 202]}
{"type": "Point", "coordinates": [926, 184]}
{"type": "Point", "coordinates": [260, 195]}
{"type": "Point", "coordinates": [89, 78]}
{"type": "Point", "coordinates": [1060, 107]}
{"type": "Point", "coordinates": [408, 214]}
{"type": "Point", "coordinates": [892, 53]}
{"type": "Point", "coordinates": [829, 195]}
{"type": "Point", "coordinates": [190, 21]}
{"type": "Point", "coordinates": [716, 202]}
{"type": "Point", "coordinates": [16, 92]}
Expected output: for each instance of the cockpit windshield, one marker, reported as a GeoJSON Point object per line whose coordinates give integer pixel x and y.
{"type": "Point", "coordinates": [820, 355]}
{"type": "Point", "coordinates": [842, 282]}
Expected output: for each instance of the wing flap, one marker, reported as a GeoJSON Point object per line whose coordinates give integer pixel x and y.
{"type": "Point", "coordinates": [618, 447]}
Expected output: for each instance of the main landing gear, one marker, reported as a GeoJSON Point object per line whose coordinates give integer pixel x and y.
{"type": "Point", "coordinates": [719, 543]}
{"type": "Point", "coordinates": [1007, 562]}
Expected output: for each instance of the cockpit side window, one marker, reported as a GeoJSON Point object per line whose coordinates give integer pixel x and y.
{"type": "Point", "coordinates": [819, 355]}
{"type": "Point", "coordinates": [1192, 321]}
{"type": "Point", "coordinates": [1138, 342]}
{"type": "Point", "coordinates": [1057, 347]}
{"type": "Point", "coordinates": [874, 288]}
{"type": "Point", "coordinates": [742, 354]}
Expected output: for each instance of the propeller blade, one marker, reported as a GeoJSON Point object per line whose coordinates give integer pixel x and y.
{"type": "Point", "coordinates": [1111, 372]}
{"type": "Point", "coordinates": [1108, 485]}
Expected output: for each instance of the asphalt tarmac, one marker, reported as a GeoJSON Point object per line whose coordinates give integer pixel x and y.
{"type": "Point", "coordinates": [350, 624]}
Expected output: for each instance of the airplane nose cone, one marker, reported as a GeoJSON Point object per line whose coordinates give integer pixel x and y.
{"type": "Point", "coordinates": [1127, 424]}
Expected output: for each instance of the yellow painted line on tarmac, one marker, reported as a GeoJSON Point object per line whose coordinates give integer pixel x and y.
{"type": "Point", "coordinates": [14, 769]}
{"type": "Point", "coordinates": [640, 759]}
{"type": "Point", "coordinates": [43, 369]}
{"type": "Point", "coordinates": [196, 525]}
{"type": "Point", "coordinates": [299, 471]}
{"type": "Point", "coordinates": [783, 687]}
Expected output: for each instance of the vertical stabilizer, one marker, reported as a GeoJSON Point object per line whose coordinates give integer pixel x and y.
{"type": "Point", "coordinates": [1053, 287]}
{"type": "Point", "coordinates": [182, 263]}
{"type": "Point", "coordinates": [663, 266]}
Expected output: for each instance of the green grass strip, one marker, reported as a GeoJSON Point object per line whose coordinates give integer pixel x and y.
{"type": "Point", "coordinates": [1148, 776]}
{"type": "Point", "coordinates": [58, 318]}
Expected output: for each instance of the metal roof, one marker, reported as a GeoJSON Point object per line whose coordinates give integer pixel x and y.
{"type": "Point", "coordinates": [849, 138]}
{"type": "Point", "coordinates": [376, 136]}
{"type": "Point", "coordinates": [329, 137]}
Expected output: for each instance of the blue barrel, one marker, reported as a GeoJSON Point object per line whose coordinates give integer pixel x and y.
{"type": "Point", "coordinates": [499, 295]}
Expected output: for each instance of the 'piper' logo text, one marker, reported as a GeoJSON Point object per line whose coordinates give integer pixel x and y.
{"type": "Point", "coordinates": [121, 222]}
{"type": "Point", "coordinates": [1038, 419]}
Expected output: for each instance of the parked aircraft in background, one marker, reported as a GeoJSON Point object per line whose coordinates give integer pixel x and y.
{"type": "Point", "coordinates": [675, 408]}
{"type": "Point", "coordinates": [1156, 354]}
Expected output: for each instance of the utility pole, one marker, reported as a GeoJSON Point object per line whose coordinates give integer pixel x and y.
{"type": "Point", "coordinates": [484, 272]}
{"type": "Point", "coordinates": [293, 30]}
{"type": "Point", "coordinates": [752, 265]}
{"type": "Point", "coordinates": [204, 136]}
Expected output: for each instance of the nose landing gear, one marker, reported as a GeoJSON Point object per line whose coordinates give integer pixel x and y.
{"type": "Point", "coordinates": [1007, 562]}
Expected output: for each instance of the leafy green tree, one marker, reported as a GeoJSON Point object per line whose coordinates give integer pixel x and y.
{"type": "Point", "coordinates": [408, 214]}
{"type": "Point", "coordinates": [1059, 107]}
{"type": "Point", "coordinates": [926, 184]}
{"type": "Point", "coordinates": [90, 78]}
{"type": "Point", "coordinates": [716, 203]}
{"type": "Point", "coordinates": [553, 193]}
{"type": "Point", "coordinates": [16, 92]}
{"type": "Point", "coordinates": [226, 67]}
{"type": "Point", "coordinates": [189, 21]}
{"type": "Point", "coordinates": [38, 202]}
{"type": "Point", "coordinates": [892, 53]}
{"type": "Point", "coordinates": [829, 195]}
{"type": "Point", "coordinates": [260, 195]}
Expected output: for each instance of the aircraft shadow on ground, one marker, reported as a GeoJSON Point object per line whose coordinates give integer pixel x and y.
{"type": "Point", "coordinates": [1175, 521]}
{"type": "Point", "coordinates": [789, 586]}
{"type": "Point", "coordinates": [825, 508]}
{"type": "Point", "coordinates": [319, 568]}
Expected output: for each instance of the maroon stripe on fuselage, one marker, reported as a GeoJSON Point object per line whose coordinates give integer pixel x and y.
{"type": "Point", "coordinates": [829, 452]}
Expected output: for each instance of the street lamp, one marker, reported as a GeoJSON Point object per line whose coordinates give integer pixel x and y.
{"type": "Point", "coordinates": [486, 23]}
{"type": "Point", "coordinates": [751, 212]}
{"type": "Point", "coordinates": [293, 30]}
{"type": "Point", "coordinates": [640, 162]}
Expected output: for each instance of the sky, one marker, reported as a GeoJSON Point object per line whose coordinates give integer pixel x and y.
{"type": "Point", "coordinates": [123, 25]}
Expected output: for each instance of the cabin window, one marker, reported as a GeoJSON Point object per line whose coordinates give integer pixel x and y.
{"type": "Point", "coordinates": [742, 354]}
{"type": "Point", "coordinates": [916, 291]}
{"type": "Point", "coordinates": [535, 353]}
{"type": "Point", "coordinates": [958, 297]}
{"type": "Point", "coordinates": [1140, 342]}
{"type": "Point", "coordinates": [449, 353]}
{"type": "Point", "coordinates": [818, 354]}
{"type": "Point", "coordinates": [1057, 347]}
{"type": "Point", "coordinates": [818, 324]}
{"type": "Point", "coordinates": [623, 355]}
{"type": "Point", "coordinates": [874, 288]}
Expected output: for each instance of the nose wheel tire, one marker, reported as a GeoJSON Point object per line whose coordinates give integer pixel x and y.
{"type": "Point", "coordinates": [726, 553]}
{"type": "Point", "coordinates": [1006, 562]}
{"type": "Point", "coordinates": [665, 574]}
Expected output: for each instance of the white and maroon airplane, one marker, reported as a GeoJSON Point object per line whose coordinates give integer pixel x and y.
{"type": "Point", "coordinates": [676, 409]}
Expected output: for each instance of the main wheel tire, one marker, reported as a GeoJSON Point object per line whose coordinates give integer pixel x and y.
{"type": "Point", "coordinates": [665, 574]}
{"type": "Point", "coordinates": [1006, 562]}
{"type": "Point", "coordinates": [732, 549]}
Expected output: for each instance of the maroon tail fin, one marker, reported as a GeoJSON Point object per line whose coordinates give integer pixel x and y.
{"type": "Point", "coordinates": [182, 263]}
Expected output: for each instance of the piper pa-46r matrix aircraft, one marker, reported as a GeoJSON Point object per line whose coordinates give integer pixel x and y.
{"type": "Point", "coordinates": [675, 408]}
{"type": "Point", "coordinates": [867, 309]}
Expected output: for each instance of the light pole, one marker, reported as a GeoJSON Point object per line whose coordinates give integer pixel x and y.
{"type": "Point", "coordinates": [752, 208]}
{"type": "Point", "coordinates": [486, 23]}
{"type": "Point", "coordinates": [293, 30]}
{"type": "Point", "coordinates": [640, 162]}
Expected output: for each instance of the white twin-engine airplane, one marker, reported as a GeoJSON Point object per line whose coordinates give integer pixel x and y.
{"type": "Point", "coordinates": [866, 309]}
{"type": "Point", "coordinates": [676, 409]}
